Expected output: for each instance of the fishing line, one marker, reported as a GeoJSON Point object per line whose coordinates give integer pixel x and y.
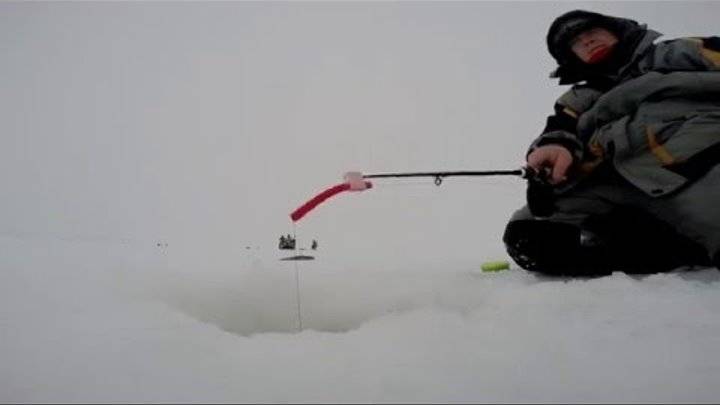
{"type": "Point", "coordinates": [297, 281]}
{"type": "Point", "coordinates": [297, 297]}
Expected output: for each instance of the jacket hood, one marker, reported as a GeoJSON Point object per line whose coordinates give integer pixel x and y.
{"type": "Point", "coordinates": [571, 69]}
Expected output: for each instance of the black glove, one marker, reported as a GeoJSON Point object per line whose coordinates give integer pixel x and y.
{"type": "Point", "coordinates": [540, 193]}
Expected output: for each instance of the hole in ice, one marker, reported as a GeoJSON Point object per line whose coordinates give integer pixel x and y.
{"type": "Point", "coordinates": [264, 301]}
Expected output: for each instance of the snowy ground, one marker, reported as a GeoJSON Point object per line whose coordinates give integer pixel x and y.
{"type": "Point", "coordinates": [89, 321]}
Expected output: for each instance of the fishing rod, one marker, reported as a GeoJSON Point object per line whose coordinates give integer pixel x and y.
{"type": "Point", "coordinates": [524, 172]}
{"type": "Point", "coordinates": [356, 181]}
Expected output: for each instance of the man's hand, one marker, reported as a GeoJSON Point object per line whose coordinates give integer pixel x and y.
{"type": "Point", "coordinates": [555, 157]}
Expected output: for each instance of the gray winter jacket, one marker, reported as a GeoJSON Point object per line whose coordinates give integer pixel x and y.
{"type": "Point", "coordinates": [659, 124]}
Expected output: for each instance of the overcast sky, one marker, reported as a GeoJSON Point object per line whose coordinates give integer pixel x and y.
{"type": "Point", "coordinates": [204, 124]}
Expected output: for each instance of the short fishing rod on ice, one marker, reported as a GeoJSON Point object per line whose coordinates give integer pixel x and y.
{"type": "Point", "coordinates": [356, 181]}
{"type": "Point", "coordinates": [524, 172]}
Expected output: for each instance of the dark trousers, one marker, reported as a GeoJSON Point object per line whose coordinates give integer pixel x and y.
{"type": "Point", "coordinates": [605, 224]}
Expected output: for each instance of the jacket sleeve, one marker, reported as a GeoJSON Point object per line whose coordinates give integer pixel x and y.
{"type": "Point", "coordinates": [561, 127]}
{"type": "Point", "coordinates": [687, 54]}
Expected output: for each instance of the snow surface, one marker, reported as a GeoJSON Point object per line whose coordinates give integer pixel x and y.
{"type": "Point", "coordinates": [80, 325]}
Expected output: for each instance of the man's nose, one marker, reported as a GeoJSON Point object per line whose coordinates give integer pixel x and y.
{"type": "Point", "coordinates": [587, 39]}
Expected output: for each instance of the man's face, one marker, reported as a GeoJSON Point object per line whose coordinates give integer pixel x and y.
{"type": "Point", "coordinates": [593, 45]}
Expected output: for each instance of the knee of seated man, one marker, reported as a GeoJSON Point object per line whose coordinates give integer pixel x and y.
{"type": "Point", "coordinates": [553, 248]}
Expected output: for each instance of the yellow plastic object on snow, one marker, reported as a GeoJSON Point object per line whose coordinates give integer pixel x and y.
{"type": "Point", "coordinates": [494, 266]}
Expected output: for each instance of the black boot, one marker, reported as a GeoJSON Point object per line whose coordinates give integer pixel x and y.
{"type": "Point", "coordinates": [554, 248]}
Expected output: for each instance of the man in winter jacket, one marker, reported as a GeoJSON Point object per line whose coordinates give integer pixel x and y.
{"type": "Point", "coordinates": [631, 154]}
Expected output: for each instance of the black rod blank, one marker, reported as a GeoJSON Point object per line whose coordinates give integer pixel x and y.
{"type": "Point", "coordinates": [519, 172]}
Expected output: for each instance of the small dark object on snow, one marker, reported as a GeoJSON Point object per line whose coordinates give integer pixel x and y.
{"type": "Point", "coordinates": [299, 257]}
